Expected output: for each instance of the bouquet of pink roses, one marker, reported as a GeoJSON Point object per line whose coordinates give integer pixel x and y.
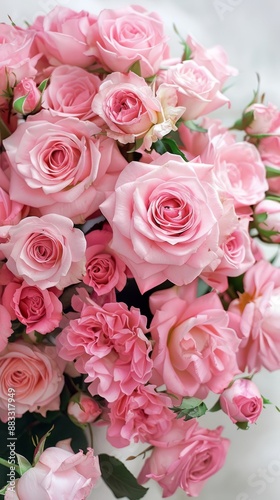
{"type": "Point", "coordinates": [132, 279]}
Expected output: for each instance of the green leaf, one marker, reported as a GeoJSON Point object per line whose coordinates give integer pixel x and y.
{"type": "Point", "coordinates": [135, 68]}
{"type": "Point", "coordinates": [23, 464]}
{"type": "Point", "coordinates": [190, 408]}
{"type": "Point", "coordinates": [118, 478]}
{"type": "Point", "coordinates": [194, 126]}
{"type": "Point", "coordinates": [216, 407]}
{"type": "Point", "coordinates": [167, 145]}
{"type": "Point", "coordinates": [272, 172]}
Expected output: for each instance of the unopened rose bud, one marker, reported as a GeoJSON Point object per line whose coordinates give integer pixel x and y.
{"type": "Point", "coordinates": [263, 118]}
{"type": "Point", "coordinates": [82, 409]}
{"type": "Point", "coordinates": [242, 401]}
{"type": "Point", "coordinates": [269, 227]}
{"type": "Point", "coordinates": [27, 96]}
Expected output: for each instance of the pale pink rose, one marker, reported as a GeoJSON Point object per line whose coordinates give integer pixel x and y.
{"type": "Point", "coordinates": [82, 409]}
{"type": "Point", "coordinates": [59, 473]}
{"type": "Point", "coordinates": [197, 89]}
{"type": "Point", "coordinates": [11, 212]}
{"type": "Point", "coordinates": [255, 316]}
{"type": "Point", "coordinates": [127, 105]}
{"type": "Point", "coordinates": [6, 327]}
{"type": "Point", "coordinates": [104, 269]}
{"type": "Point", "coordinates": [264, 117]}
{"type": "Point", "coordinates": [269, 148]}
{"type": "Point", "coordinates": [57, 165]}
{"type": "Point", "coordinates": [197, 143]}
{"type": "Point", "coordinates": [242, 401]}
{"type": "Point", "coordinates": [28, 89]}
{"type": "Point", "coordinates": [39, 310]}
{"type": "Point", "coordinates": [185, 457]}
{"type": "Point", "coordinates": [240, 173]}
{"type": "Point", "coordinates": [194, 349]}
{"type": "Point", "coordinates": [213, 58]}
{"type": "Point", "coordinates": [121, 38]}
{"type": "Point", "coordinates": [272, 222]}
{"type": "Point", "coordinates": [110, 346]}
{"type": "Point", "coordinates": [143, 415]}
{"type": "Point", "coordinates": [46, 251]}
{"type": "Point", "coordinates": [61, 36]}
{"type": "Point", "coordinates": [35, 373]}
{"type": "Point", "coordinates": [171, 214]}
{"type": "Point", "coordinates": [70, 92]}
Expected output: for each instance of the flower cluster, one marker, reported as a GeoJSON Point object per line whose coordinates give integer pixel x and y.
{"type": "Point", "coordinates": [132, 279]}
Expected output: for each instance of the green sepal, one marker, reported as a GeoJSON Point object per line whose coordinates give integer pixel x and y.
{"type": "Point", "coordinates": [41, 446]}
{"type": "Point", "coordinates": [272, 172]}
{"type": "Point", "coordinates": [43, 85]}
{"type": "Point", "coordinates": [167, 145]}
{"type": "Point", "coordinates": [242, 425]}
{"type": "Point", "coordinates": [19, 103]}
{"type": "Point", "coordinates": [23, 463]}
{"type": "Point", "coordinates": [187, 54]}
{"type": "Point", "coordinates": [4, 131]}
{"type": "Point", "coordinates": [194, 126]}
{"type": "Point", "coordinates": [135, 68]}
{"type": "Point", "coordinates": [119, 479]}
{"type": "Point", "coordinates": [244, 121]}
{"type": "Point", "coordinates": [216, 407]}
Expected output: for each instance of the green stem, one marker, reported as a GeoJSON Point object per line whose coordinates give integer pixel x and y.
{"type": "Point", "coordinates": [91, 435]}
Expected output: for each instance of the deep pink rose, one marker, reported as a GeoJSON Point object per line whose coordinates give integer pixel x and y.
{"type": "Point", "coordinates": [197, 89]}
{"type": "Point", "coordinates": [255, 315]}
{"type": "Point", "coordinates": [110, 346]}
{"type": "Point", "coordinates": [61, 35]}
{"type": "Point", "coordinates": [57, 165]}
{"type": "Point", "coordinates": [39, 310]}
{"type": "Point", "coordinates": [185, 457]}
{"type": "Point", "coordinates": [82, 409]}
{"type": "Point", "coordinates": [70, 92]}
{"type": "Point", "coordinates": [194, 348]}
{"type": "Point", "coordinates": [171, 213]}
{"type": "Point", "coordinates": [242, 401]}
{"type": "Point", "coordinates": [272, 222]}
{"type": "Point", "coordinates": [104, 269]}
{"type": "Point", "coordinates": [28, 89]}
{"type": "Point", "coordinates": [6, 327]}
{"type": "Point", "coordinates": [143, 415]}
{"type": "Point", "coordinates": [121, 38]}
{"type": "Point", "coordinates": [59, 473]}
{"type": "Point", "coordinates": [46, 251]}
{"type": "Point", "coordinates": [35, 373]}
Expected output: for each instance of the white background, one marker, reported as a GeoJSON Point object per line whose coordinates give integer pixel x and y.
{"type": "Point", "coordinates": [249, 32]}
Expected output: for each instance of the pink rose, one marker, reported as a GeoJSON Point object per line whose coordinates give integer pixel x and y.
{"type": "Point", "coordinates": [185, 457]}
{"type": "Point", "coordinates": [121, 38]}
{"type": "Point", "coordinates": [127, 105]}
{"type": "Point", "coordinates": [242, 401]}
{"type": "Point", "coordinates": [11, 212]}
{"type": "Point", "coordinates": [255, 316]}
{"type": "Point", "coordinates": [269, 148]}
{"type": "Point", "coordinates": [171, 215]}
{"type": "Point", "coordinates": [28, 89]}
{"type": "Point", "coordinates": [57, 165]}
{"type": "Point", "coordinates": [35, 373]}
{"type": "Point", "coordinates": [46, 251]}
{"type": "Point", "coordinates": [272, 222]}
{"type": "Point", "coordinates": [39, 310]}
{"type": "Point", "coordinates": [194, 348]}
{"type": "Point", "coordinates": [6, 327]}
{"type": "Point", "coordinates": [263, 118]}
{"type": "Point", "coordinates": [110, 346]}
{"type": "Point", "coordinates": [197, 89]}
{"type": "Point", "coordinates": [104, 270]}
{"type": "Point", "coordinates": [82, 409]}
{"type": "Point", "coordinates": [59, 473]}
{"type": "Point", "coordinates": [198, 143]}
{"type": "Point", "coordinates": [70, 92]}
{"type": "Point", "coordinates": [141, 416]}
{"type": "Point", "coordinates": [61, 35]}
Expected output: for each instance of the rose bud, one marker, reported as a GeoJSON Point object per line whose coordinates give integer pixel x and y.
{"type": "Point", "coordinates": [27, 96]}
{"type": "Point", "coordinates": [242, 401]}
{"type": "Point", "coordinates": [267, 215]}
{"type": "Point", "coordinates": [82, 409]}
{"type": "Point", "coordinates": [262, 118]}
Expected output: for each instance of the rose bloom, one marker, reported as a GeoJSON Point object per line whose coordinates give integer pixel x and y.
{"type": "Point", "coordinates": [46, 251]}
{"type": "Point", "coordinates": [35, 373]}
{"type": "Point", "coordinates": [104, 270]}
{"type": "Point", "coordinates": [127, 105]}
{"type": "Point", "coordinates": [57, 165]}
{"type": "Point", "coordinates": [121, 38]}
{"type": "Point", "coordinates": [110, 346]}
{"type": "Point", "coordinates": [141, 416]}
{"type": "Point", "coordinates": [272, 222]}
{"type": "Point", "coordinates": [255, 316]}
{"type": "Point", "coordinates": [185, 457]}
{"type": "Point", "coordinates": [26, 88]}
{"type": "Point", "coordinates": [197, 89]}
{"type": "Point", "coordinates": [59, 473]}
{"type": "Point", "coordinates": [242, 401]}
{"type": "Point", "coordinates": [70, 92]}
{"type": "Point", "coordinates": [194, 348]}
{"type": "Point", "coordinates": [39, 310]}
{"type": "Point", "coordinates": [61, 36]}
{"type": "Point", "coordinates": [6, 327]}
{"type": "Point", "coordinates": [171, 213]}
{"type": "Point", "coordinates": [82, 409]}
{"type": "Point", "coordinates": [11, 212]}
{"type": "Point", "coordinates": [264, 117]}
